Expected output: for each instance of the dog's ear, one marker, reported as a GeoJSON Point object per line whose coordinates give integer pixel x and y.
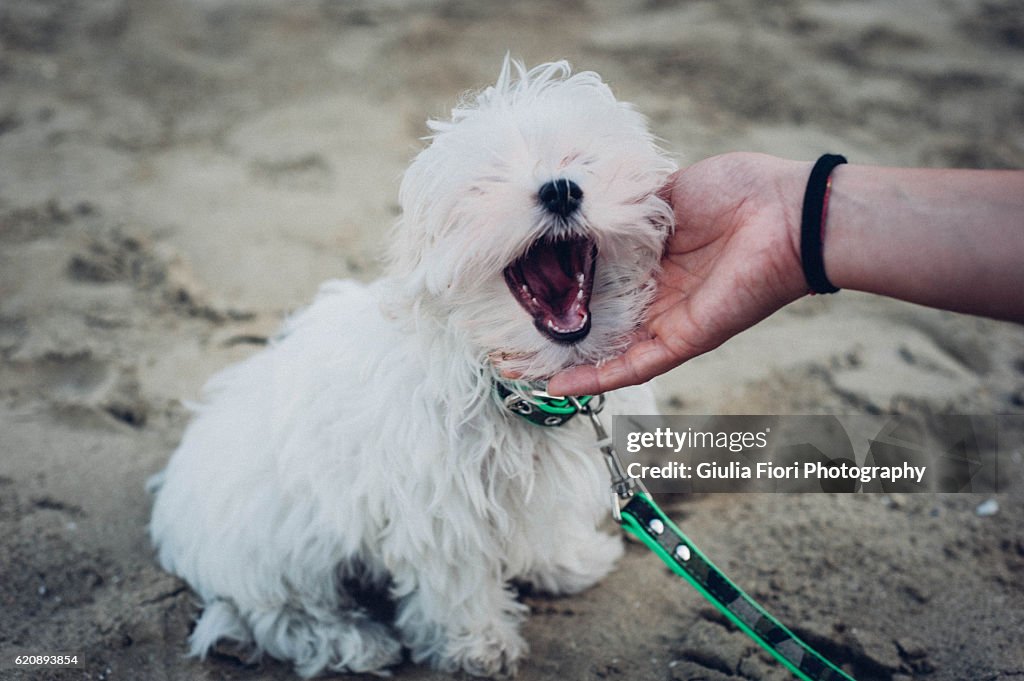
{"type": "Point", "coordinates": [404, 256]}
{"type": "Point", "coordinates": [415, 233]}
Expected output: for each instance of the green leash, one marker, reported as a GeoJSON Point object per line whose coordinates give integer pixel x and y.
{"type": "Point", "coordinates": [642, 518]}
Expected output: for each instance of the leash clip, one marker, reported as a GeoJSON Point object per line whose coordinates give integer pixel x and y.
{"type": "Point", "coordinates": [623, 486]}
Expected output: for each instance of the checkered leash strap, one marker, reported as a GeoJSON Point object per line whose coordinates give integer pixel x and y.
{"type": "Point", "coordinates": [642, 518]}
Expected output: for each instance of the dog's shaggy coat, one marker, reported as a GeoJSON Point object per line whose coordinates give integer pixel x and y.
{"type": "Point", "coordinates": [367, 444]}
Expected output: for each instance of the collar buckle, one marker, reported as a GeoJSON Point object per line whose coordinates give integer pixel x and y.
{"type": "Point", "coordinates": [538, 407]}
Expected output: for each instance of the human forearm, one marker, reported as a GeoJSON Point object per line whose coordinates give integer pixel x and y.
{"type": "Point", "coordinates": [952, 239]}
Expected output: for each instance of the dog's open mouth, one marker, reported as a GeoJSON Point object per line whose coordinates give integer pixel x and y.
{"type": "Point", "coordinates": [553, 282]}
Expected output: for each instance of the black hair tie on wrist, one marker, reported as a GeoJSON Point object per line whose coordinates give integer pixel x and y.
{"type": "Point", "coordinates": [812, 223]}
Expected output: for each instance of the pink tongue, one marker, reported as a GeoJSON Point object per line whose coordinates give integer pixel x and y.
{"type": "Point", "coordinates": [549, 275]}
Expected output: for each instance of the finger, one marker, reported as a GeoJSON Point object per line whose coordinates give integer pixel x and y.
{"type": "Point", "coordinates": [581, 380]}
{"type": "Point", "coordinates": [585, 379]}
{"type": "Point", "coordinates": [639, 364]}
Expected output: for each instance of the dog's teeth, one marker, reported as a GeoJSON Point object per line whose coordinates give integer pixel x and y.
{"type": "Point", "coordinates": [580, 278]}
{"type": "Point", "coordinates": [579, 295]}
{"type": "Point", "coordinates": [558, 329]}
{"type": "Point", "coordinates": [535, 301]}
{"type": "Point", "coordinates": [526, 289]}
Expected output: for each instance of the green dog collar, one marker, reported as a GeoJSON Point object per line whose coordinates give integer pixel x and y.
{"type": "Point", "coordinates": [536, 406]}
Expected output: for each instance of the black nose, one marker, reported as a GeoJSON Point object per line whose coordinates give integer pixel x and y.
{"type": "Point", "coordinates": [561, 197]}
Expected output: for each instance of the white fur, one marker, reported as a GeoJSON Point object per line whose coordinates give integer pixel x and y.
{"type": "Point", "coordinates": [366, 443]}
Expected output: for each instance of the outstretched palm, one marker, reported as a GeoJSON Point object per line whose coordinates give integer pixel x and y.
{"type": "Point", "coordinates": [730, 263]}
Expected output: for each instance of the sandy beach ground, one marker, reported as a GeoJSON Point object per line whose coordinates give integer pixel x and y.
{"type": "Point", "coordinates": [175, 177]}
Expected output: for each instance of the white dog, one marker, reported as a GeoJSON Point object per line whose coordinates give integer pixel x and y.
{"type": "Point", "coordinates": [370, 446]}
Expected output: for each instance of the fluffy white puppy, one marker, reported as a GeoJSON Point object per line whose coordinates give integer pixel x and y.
{"type": "Point", "coordinates": [368, 445]}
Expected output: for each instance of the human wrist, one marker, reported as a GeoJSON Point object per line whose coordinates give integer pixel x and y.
{"type": "Point", "coordinates": [790, 185]}
{"type": "Point", "coordinates": [854, 234]}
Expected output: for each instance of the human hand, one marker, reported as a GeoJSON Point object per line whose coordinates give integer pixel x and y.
{"type": "Point", "coordinates": [732, 260]}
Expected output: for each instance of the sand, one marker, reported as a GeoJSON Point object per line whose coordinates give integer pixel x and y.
{"type": "Point", "coordinates": [176, 177]}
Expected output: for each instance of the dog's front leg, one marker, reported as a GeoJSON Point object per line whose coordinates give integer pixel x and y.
{"type": "Point", "coordinates": [456, 612]}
